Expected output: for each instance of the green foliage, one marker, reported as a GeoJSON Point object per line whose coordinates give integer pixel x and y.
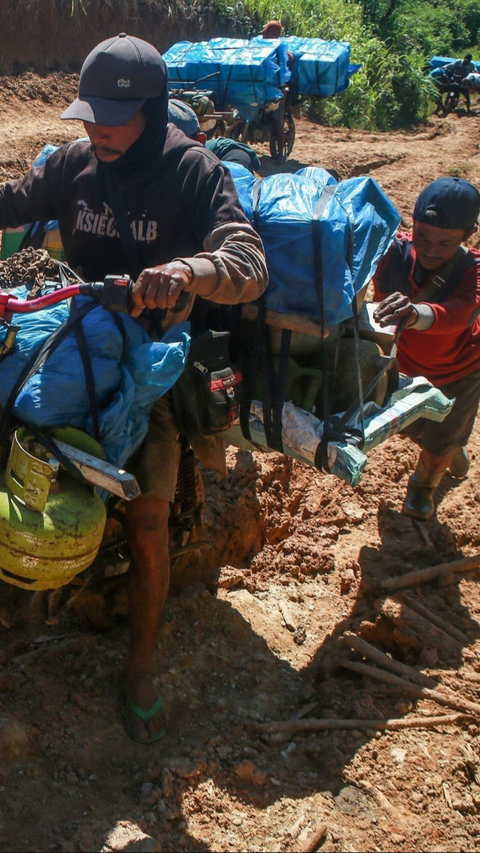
{"type": "Point", "coordinates": [389, 91]}
{"type": "Point", "coordinates": [434, 27]}
{"type": "Point", "coordinates": [393, 39]}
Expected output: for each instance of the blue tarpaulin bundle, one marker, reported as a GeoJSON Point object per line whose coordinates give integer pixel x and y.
{"type": "Point", "coordinates": [315, 229]}
{"type": "Point", "coordinates": [319, 67]}
{"type": "Point", "coordinates": [129, 375]}
{"type": "Point", "coordinates": [242, 74]}
{"type": "Point", "coordinates": [246, 74]}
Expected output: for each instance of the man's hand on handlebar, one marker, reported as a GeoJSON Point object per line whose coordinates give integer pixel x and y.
{"type": "Point", "coordinates": [395, 309]}
{"type": "Point", "coordinates": [160, 287]}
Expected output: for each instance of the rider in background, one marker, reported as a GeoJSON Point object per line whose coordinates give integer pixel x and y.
{"type": "Point", "coordinates": [273, 30]}
{"type": "Point", "coordinates": [229, 150]}
{"type": "Point", "coordinates": [458, 71]}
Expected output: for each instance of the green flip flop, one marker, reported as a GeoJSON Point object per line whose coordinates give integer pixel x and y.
{"type": "Point", "coordinates": [144, 715]}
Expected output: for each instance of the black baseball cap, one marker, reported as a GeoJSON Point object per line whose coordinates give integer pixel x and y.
{"type": "Point", "coordinates": [116, 79]}
{"type": "Point", "coordinates": [448, 203]}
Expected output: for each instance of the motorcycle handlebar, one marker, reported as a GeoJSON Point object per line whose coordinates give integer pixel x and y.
{"type": "Point", "coordinates": [114, 293]}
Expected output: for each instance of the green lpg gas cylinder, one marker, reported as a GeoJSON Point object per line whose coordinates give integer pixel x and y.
{"type": "Point", "coordinates": [51, 525]}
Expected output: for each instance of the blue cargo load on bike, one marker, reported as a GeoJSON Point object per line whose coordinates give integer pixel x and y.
{"type": "Point", "coordinates": [247, 74]}
{"type": "Point", "coordinates": [241, 74]}
{"type": "Point", "coordinates": [323, 239]}
{"type": "Point", "coordinates": [319, 68]}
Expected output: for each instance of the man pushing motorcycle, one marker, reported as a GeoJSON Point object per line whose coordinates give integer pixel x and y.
{"type": "Point", "coordinates": [139, 197]}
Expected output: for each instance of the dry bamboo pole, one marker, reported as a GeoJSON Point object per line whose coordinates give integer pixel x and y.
{"type": "Point", "coordinates": [434, 618]}
{"type": "Point", "coordinates": [420, 630]}
{"type": "Point", "coordinates": [315, 725]}
{"type": "Point", "coordinates": [466, 564]}
{"type": "Point", "coordinates": [458, 704]}
{"type": "Point", "coordinates": [364, 648]}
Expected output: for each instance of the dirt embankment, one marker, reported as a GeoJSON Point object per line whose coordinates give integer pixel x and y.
{"type": "Point", "coordinates": [49, 35]}
{"type": "Point", "coordinates": [298, 559]}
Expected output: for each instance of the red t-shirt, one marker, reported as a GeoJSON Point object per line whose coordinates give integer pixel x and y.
{"type": "Point", "coordinates": [450, 348]}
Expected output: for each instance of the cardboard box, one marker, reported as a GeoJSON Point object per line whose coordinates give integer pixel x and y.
{"type": "Point", "coordinates": [53, 244]}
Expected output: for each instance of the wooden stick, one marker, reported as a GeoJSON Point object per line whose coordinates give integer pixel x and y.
{"type": "Point", "coordinates": [434, 618]}
{"type": "Point", "coordinates": [466, 564]}
{"type": "Point", "coordinates": [420, 631]}
{"type": "Point", "coordinates": [449, 701]}
{"type": "Point", "coordinates": [448, 677]}
{"type": "Point", "coordinates": [294, 322]}
{"type": "Point", "coordinates": [287, 616]}
{"type": "Point", "coordinates": [314, 725]}
{"type": "Point", "coordinates": [381, 658]}
{"type": "Point", "coordinates": [312, 842]}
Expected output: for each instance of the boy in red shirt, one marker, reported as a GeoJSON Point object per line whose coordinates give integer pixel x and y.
{"type": "Point", "coordinates": [430, 284]}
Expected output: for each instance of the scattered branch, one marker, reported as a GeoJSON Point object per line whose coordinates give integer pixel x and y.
{"type": "Point", "coordinates": [435, 619]}
{"type": "Point", "coordinates": [467, 564]}
{"type": "Point", "coordinates": [416, 628]}
{"type": "Point", "coordinates": [314, 725]}
{"type": "Point", "coordinates": [364, 648]}
{"type": "Point", "coordinates": [449, 701]}
{"type": "Point", "coordinates": [312, 842]}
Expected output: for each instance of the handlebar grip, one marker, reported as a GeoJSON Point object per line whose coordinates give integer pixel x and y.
{"type": "Point", "coordinates": [114, 293]}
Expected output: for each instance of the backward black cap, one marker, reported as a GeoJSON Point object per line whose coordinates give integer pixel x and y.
{"type": "Point", "coordinates": [116, 79]}
{"type": "Point", "coordinates": [448, 203]}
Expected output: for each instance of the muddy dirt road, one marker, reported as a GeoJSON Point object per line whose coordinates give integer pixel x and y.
{"type": "Point", "coordinates": [297, 559]}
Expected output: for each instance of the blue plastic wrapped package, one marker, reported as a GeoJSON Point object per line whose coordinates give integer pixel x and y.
{"type": "Point", "coordinates": [318, 174]}
{"type": "Point", "coordinates": [374, 219]}
{"type": "Point", "coordinates": [240, 74]}
{"type": "Point", "coordinates": [285, 207]}
{"type": "Point", "coordinates": [244, 181]}
{"type": "Point", "coordinates": [314, 232]}
{"type": "Point", "coordinates": [129, 375]}
{"type": "Point", "coordinates": [284, 72]}
{"type": "Point", "coordinates": [319, 67]}
{"type": "Point", "coordinates": [437, 73]}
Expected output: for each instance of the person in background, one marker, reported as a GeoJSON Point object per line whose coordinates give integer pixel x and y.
{"type": "Point", "coordinates": [230, 150]}
{"type": "Point", "coordinates": [429, 284]}
{"type": "Point", "coordinates": [273, 30]}
{"type": "Point", "coordinates": [458, 72]}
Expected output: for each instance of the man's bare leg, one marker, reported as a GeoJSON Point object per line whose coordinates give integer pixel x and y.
{"type": "Point", "coordinates": [147, 538]}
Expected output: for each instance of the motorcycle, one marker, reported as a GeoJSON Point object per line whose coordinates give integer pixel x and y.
{"type": "Point", "coordinates": [450, 92]}
{"type": "Point", "coordinates": [215, 122]}
{"type": "Point", "coordinates": [262, 129]}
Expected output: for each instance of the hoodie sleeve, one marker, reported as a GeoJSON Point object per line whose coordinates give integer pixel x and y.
{"type": "Point", "coordinates": [232, 267]}
{"type": "Point", "coordinates": [35, 196]}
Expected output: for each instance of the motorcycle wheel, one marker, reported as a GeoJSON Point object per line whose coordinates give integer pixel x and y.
{"type": "Point", "coordinates": [289, 128]}
{"type": "Point", "coordinates": [450, 103]}
{"type": "Point", "coordinates": [219, 130]}
{"type": "Point", "coordinates": [237, 131]}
